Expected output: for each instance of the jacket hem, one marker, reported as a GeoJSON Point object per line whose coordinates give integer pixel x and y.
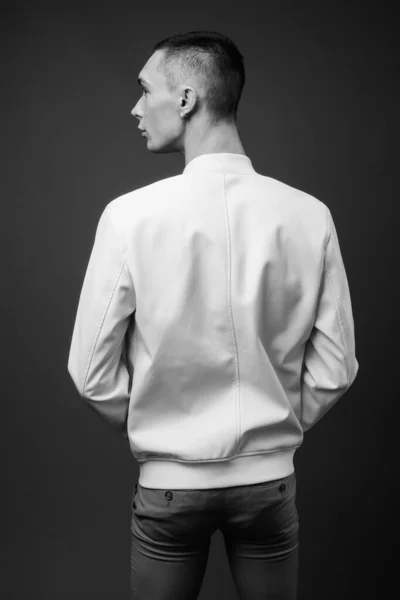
{"type": "Point", "coordinates": [241, 470]}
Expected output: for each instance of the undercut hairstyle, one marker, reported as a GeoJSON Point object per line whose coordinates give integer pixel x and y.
{"type": "Point", "coordinates": [213, 60]}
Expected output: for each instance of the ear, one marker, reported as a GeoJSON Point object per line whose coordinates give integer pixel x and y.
{"type": "Point", "coordinates": [188, 102]}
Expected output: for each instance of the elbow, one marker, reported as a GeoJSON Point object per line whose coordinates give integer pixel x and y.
{"type": "Point", "coordinates": [352, 371]}
{"type": "Point", "coordinates": [75, 376]}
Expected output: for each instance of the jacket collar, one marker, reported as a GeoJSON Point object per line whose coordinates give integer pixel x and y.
{"type": "Point", "coordinates": [220, 161]}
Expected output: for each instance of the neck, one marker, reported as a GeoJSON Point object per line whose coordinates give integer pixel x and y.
{"type": "Point", "coordinates": [222, 137]}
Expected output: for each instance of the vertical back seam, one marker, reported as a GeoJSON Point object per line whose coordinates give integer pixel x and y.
{"type": "Point", "coordinates": [229, 293]}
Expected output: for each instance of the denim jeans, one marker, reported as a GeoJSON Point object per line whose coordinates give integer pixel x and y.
{"type": "Point", "coordinates": [172, 529]}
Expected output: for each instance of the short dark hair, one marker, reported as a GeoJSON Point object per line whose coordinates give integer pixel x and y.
{"type": "Point", "coordinates": [212, 56]}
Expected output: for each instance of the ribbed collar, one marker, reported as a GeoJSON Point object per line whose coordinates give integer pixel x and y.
{"type": "Point", "coordinates": [220, 161]}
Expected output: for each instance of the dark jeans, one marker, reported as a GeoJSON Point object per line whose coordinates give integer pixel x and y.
{"type": "Point", "coordinates": [172, 529]}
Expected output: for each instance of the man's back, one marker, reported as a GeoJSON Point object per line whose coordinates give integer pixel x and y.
{"type": "Point", "coordinates": [243, 334]}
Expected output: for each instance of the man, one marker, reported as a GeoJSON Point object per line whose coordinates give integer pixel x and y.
{"type": "Point", "coordinates": [213, 329]}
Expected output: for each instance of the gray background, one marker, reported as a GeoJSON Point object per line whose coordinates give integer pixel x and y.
{"type": "Point", "coordinates": [319, 111]}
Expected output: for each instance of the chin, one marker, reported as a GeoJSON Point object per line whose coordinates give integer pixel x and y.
{"type": "Point", "coordinates": [159, 149]}
{"type": "Point", "coordinates": [165, 147]}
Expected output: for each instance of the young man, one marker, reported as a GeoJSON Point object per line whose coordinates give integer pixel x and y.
{"type": "Point", "coordinates": [214, 328]}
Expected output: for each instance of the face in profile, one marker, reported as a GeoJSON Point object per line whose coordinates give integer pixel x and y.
{"type": "Point", "coordinates": [158, 110]}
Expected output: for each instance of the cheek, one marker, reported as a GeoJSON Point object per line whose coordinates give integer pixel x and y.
{"type": "Point", "coordinates": [165, 116]}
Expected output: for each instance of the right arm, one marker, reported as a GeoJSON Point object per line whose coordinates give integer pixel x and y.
{"type": "Point", "coordinates": [330, 365]}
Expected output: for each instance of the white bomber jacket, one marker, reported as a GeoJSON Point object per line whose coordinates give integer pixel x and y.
{"type": "Point", "coordinates": [214, 325]}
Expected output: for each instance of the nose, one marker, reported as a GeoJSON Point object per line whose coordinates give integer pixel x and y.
{"type": "Point", "coordinates": [135, 112]}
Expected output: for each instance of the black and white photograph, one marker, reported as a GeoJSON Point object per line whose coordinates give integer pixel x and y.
{"type": "Point", "coordinates": [200, 334]}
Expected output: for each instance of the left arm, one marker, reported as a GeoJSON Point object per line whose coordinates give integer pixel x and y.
{"type": "Point", "coordinates": [97, 362]}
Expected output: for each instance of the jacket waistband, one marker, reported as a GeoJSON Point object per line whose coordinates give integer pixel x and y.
{"type": "Point", "coordinates": [241, 470]}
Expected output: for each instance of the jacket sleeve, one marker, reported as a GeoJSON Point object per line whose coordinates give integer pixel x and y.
{"type": "Point", "coordinates": [330, 365]}
{"type": "Point", "coordinates": [97, 357]}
